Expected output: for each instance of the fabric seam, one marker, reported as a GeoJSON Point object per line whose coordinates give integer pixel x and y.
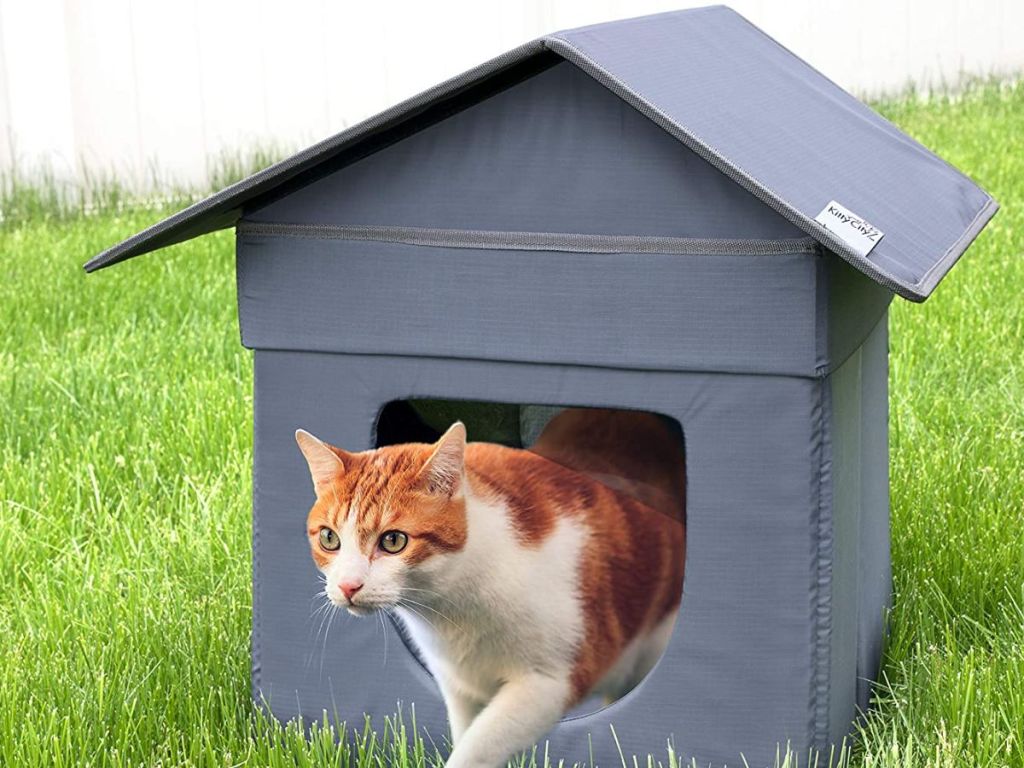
{"type": "Point", "coordinates": [822, 582]}
{"type": "Point", "coordinates": [256, 666]}
{"type": "Point", "coordinates": [533, 241]}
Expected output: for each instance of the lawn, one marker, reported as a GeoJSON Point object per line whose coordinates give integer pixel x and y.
{"type": "Point", "coordinates": [125, 446]}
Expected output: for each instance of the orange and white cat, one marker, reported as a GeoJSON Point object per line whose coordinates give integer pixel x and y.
{"type": "Point", "coordinates": [529, 579]}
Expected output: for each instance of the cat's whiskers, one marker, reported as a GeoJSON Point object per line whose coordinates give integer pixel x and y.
{"type": "Point", "coordinates": [406, 601]}
{"type": "Point", "coordinates": [383, 626]}
{"type": "Point", "coordinates": [432, 593]}
{"type": "Point", "coordinates": [325, 615]}
{"type": "Point", "coordinates": [322, 596]}
{"type": "Point", "coordinates": [417, 613]}
{"type": "Point", "coordinates": [322, 612]}
{"type": "Point", "coordinates": [323, 608]}
{"type": "Point", "coordinates": [323, 650]}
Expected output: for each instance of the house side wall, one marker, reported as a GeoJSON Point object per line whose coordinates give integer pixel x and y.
{"type": "Point", "coordinates": [874, 565]}
{"type": "Point", "coordinates": [861, 578]}
{"type": "Point", "coordinates": [556, 153]}
{"type": "Point", "coordinates": [851, 306]}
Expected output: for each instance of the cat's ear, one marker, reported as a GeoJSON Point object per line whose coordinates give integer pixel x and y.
{"type": "Point", "coordinates": [324, 460]}
{"type": "Point", "coordinates": [442, 474]}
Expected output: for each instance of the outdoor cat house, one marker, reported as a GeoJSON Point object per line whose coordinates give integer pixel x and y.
{"type": "Point", "coordinates": [671, 213]}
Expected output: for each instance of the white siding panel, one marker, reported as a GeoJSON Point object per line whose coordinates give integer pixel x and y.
{"type": "Point", "coordinates": [165, 43]}
{"type": "Point", "coordinates": [232, 86]}
{"type": "Point", "coordinates": [40, 125]}
{"type": "Point", "coordinates": [103, 90]}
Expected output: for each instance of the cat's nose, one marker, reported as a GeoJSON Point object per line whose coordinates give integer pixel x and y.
{"type": "Point", "coordinates": [349, 588]}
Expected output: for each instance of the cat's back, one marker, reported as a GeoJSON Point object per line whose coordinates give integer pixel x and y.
{"type": "Point", "coordinates": [535, 491]}
{"type": "Point", "coordinates": [538, 491]}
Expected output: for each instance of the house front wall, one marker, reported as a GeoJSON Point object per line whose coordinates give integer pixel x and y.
{"type": "Point", "coordinates": [749, 661]}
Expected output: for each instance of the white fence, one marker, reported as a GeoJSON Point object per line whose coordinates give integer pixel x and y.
{"type": "Point", "coordinates": [150, 89]}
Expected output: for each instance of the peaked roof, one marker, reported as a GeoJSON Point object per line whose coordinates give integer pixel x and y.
{"type": "Point", "coordinates": [730, 93]}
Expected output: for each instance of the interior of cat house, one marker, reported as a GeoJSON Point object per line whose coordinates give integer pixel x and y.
{"type": "Point", "coordinates": [592, 335]}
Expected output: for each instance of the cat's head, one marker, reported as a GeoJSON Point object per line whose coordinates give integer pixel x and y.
{"type": "Point", "coordinates": [385, 520]}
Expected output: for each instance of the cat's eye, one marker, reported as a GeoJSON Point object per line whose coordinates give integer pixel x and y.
{"type": "Point", "coordinates": [393, 542]}
{"type": "Point", "coordinates": [329, 540]}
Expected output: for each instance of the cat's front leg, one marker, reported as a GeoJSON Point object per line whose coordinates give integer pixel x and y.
{"type": "Point", "coordinates": [462, 710]}
{"type": "Point", "coordinates": [523, 710]}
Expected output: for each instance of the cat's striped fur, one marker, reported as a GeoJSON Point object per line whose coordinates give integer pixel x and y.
{"type": "Point", "coordinates": [529, 580]}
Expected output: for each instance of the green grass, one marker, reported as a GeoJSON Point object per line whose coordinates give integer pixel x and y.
{"type": "Point", "coordinates": [125, 433]}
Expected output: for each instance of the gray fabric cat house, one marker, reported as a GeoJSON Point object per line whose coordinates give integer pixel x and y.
{"type": "Point", "coordinates": [668, 213]}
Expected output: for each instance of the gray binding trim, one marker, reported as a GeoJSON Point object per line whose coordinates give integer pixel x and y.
{"type": "Point", "coordinates": [821, 575]}
{"type": "Point", "coordinates": [534, 241]}
{"type": "Point", "coordinates": [256, 641]}
{"type": "Point", "coordinates": [938, 270]}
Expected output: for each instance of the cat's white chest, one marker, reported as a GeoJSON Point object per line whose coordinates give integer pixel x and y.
{"type": "Point", "coordinates": [473, 664]}
{"type": "Point", "coordinates": [505, 608]}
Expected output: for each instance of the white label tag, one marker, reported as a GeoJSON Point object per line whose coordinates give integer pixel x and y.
{"type": "Point", "coordinates": [851, 228]}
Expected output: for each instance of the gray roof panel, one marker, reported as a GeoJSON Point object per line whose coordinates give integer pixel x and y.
{"type": "Point", "coordinates": [790, 136]}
